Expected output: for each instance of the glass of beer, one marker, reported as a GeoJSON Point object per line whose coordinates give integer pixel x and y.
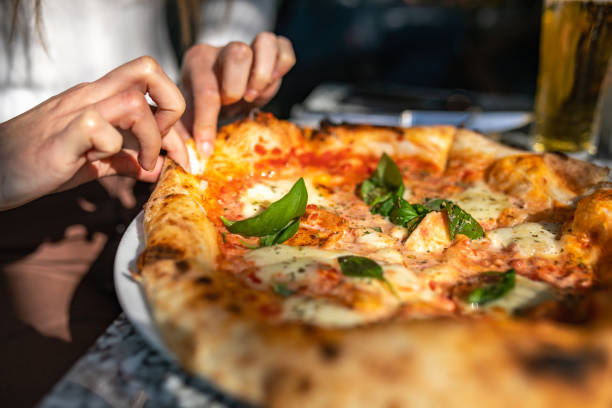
{"type": "Point", "coordinates": [575, 69]}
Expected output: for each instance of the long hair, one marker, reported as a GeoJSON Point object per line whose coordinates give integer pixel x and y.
{"type": "Point", "coordinates": [18, 14]}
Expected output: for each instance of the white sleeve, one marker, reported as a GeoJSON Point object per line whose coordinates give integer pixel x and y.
{"type": "Point", "coordinates": [223, 21]}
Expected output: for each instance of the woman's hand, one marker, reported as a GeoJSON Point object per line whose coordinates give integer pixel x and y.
{"type": "Point", "coordinates": [236, 77]}
{"type": "Point", "coordinates": [92, 130]}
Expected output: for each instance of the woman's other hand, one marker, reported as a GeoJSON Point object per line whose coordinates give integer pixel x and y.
{"type": "Point", "coordinates": [236, 77]}
{"type": "Point", "coordinates": [90, 131]}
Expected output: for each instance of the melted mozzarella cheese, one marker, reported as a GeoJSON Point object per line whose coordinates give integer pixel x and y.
{"type": "Point", "coordinates": [283, 262]}
{"type": "Point", "coordinates": [481, 202]}
{"type": "Point", "coordinates": [324, 312]}
{"type": "Point", "coordinates": [530, 239]}
{"type": "Point", "coordinates": [264, 193]}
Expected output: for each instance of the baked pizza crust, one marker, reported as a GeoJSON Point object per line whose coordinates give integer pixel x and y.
{"type": "Point", "coordinates": [210, 320]}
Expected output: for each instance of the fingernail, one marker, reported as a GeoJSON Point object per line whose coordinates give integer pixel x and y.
{"type": "Point", "coordinates": [150, 166]}
{"type": "Point", "coordinates": [205, 148]}
{"type": "Point", "coordinates": [250, 95]}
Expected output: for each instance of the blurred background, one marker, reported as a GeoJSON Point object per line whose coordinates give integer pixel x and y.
{"type": "Point", "coordinates": [476, 45]}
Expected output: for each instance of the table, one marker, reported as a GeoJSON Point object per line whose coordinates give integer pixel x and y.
{"type": "Point", "coordinates": [122, 370]}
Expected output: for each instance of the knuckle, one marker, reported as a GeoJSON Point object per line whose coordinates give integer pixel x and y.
{"type": "Point", "coordinates": [181, 104]}
{"type": "Point", "coordinates": [211, 96]}
{"type": "Point", "coordinates": [134, 101]}
{"type": "Point", "coordinates": [266, 37]}
{"type": "Point", "coordinates": [199, 50]}
{"type": "Point", "coordinates": [239, 50]}
{"type": "Point", "coordinates": [148, 64]}
{"type": "Point", "coordinates": [287, 59]}
{"type": "Point", "coordinates": [89, 120]}
{"type": "Point", "coordinates": [261, 77]}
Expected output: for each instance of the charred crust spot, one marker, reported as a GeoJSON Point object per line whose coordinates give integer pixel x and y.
{"type": "Point", "coordinates": [572, 366]}
{"type": "Point", "coordinates": [182, 266]}
{"type": "Point", "coordinates": [329, 351]}
{"type": "Point", "coordinates": [212, 296]}
{"type": "Point", "coordinates": [304, 384]}
{"type": "Point", "coordinates": [204, 280]}
{"type": "Point", "coordinates": [233, 308]}
{"type": "Point", "coordinates": [159, 252]}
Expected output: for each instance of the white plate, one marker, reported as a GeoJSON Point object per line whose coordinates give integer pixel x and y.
{"type": "Point", "coordinates": [129, 291]}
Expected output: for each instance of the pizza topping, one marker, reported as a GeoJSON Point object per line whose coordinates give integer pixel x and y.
{"type": "Point", "coordinates": [362, 267]}
{"type": "Point", "coordinates": [325, 312]}
{"type": "Point", "coordinates": [383, 191]}
{"type": "Point", "coordinates": [383, 186]}
{"type": "Point", "coordinates": [281, 289]}
{"type": "Point", "coordinates": [528, 239]}
{"type": "Point", "coordinates": [459, 221]}
{"type": "Point", "coordinates": [482, 203]}
{"type": "Point", "coordinates": [266, 191]}
{"type": "Point", "coordinates": [504, 283]}
{"type": "Point", "coordinates": [430, 236]}
{"type": "Point", "coordinates": [277, 223]}
{"type": "Point", "coordinates": [301, 266]}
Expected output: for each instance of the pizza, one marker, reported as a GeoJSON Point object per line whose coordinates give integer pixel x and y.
{"type": "Point", "coordinates": [364, 266]}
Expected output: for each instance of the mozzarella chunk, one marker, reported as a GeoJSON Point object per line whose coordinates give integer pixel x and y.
{"type": "Point", "coordinates": [288, 263]}
{"type": "Point", "coordinates": [264, 193]}
{"type": "Point", "coordinates": [399, 233]}
{"type": "Point", "coordinates": [376, 240]}
{"type": "Point", "coordinates": [481, 202]}
{"type": "Point", "coordinates": [530, 239]}
{"type": "Point", "coordinates": [431, 235]}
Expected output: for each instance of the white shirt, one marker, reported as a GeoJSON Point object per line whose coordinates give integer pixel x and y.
{"type": "Point", "coordinates": [85, 39]}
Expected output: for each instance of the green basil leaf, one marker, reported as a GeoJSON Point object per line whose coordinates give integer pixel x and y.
{"type": "Point", "coordinates": [276, 217]}
{"type": "Point", "coordinates": [369, 191]}
{"type": "Point", "coordinates": [385, 182]}
{"type": "Point", "coordinates": [408, 215]}
{"type": "Point", "coordinates": [387, 173]}
{"type": "Point", "coordinates": [414, 223]}
{"type": "Point", "coordinates": [493, 291]}
{"type": "Point", "coordinates": [437, 204]}
{"type": "Point", "coordinates": [459, 221]}
{"type": "Point", "coordinates": [288, 232]}
{"type": "Point", "coordinates": [384, 208]}
{"type": "Point", "coordinates": [362, 267]}
{"type": "Point", "coordinates": [281, 289]}
{"type": "Point", "coordinates": [282, 235]}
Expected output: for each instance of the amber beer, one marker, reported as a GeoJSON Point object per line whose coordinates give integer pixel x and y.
{"type": "Point", "coordinates": [575, 68]}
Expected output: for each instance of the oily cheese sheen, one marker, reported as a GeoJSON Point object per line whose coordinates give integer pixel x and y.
{"type": "Point", "coordinates": [364, 266]}
{"type": "Point", "coordinates": [482, 203]}
{"type": "Point", "coordinates": [529, 239]}
{"type": "Point", "coordinates": [286, 263]}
